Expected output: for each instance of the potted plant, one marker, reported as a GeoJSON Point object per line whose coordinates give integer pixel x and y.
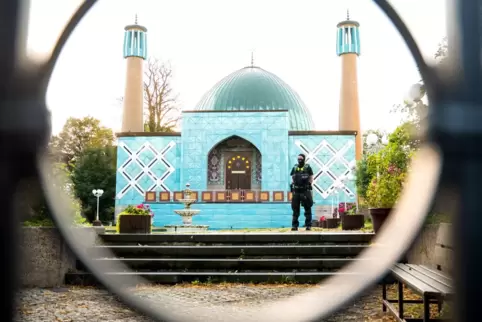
{"type": "Point", "coordinates": [351, 220]}
{"type": "Point", "coordinates": [322, 222]}
{"type": "Point", "coordinates": [333, 222]}
{"type": "Point", "coordinates": [135, 220]}
{"type": "Point", "coordinates": [386, 171]}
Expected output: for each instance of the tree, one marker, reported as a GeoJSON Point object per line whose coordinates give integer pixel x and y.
{"type": "Point", "coordinates": [77, 135]}
{"type": "Point", "coordinates": [382, 174]}
{"type": "Point", "coordinates": [96, 169]}
{"type": "Point", "coordinates": [415, 111]}
{"type": "Point", "coordinates": [159, 98]}
{"type": "Point", "coordinates": [442, 50]}
{"type": "Point", "coordinates": [37, 209]}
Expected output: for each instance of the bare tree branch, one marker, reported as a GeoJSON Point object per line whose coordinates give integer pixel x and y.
{"type": "Point", "coordinates": [160, 101]}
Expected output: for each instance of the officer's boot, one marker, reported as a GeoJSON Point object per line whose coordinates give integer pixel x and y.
{"type": "Point", "coordinates": [294, 223]}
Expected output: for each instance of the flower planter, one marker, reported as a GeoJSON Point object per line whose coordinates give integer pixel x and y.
{"type": "Point", "coordinates": [332, 223]}
{"type": "Point", "coordinates": [135, 224]}
{"type": "Point", "coordinates": [315, 223]}
{"type": "Point", "coordinates": [379, 215]}
{"type": "Point", "coordinates": [352, 222]}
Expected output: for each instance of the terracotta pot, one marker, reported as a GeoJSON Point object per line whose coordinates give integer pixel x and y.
{"type": "Point", "coordinates": [323, 223]}
{"type": "Point", "coordinates": [135, 224]}
{"type": "Point", "coordinates": [379, 215]}
{"type": "Point", "coordinates": [352, 222]}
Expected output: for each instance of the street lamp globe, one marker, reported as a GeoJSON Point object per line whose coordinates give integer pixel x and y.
{"type": "Point", "coordinates": [416, 93]}
{"type": "Point", "coordinates": [372, 139]}
{"type": "Point", "coordinates": [385, 140]}
{"type": "Point", "coordinates": [97, 192]}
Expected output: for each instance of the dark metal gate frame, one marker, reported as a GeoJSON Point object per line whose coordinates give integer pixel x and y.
{"type": "Point", "coordinates": [455, 126]}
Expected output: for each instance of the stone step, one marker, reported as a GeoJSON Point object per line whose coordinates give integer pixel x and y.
{"type": "Point", "coordinates": [218, 264]}
{"type": "Point", "coordinates": [240, 238]}
{"type": "Point", "coordinates": [122, 278]}
{"type": "Point", "coordinates": [224, 251]}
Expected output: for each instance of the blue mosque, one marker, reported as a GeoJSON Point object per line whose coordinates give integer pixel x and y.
{"type": "Point", "coordinates": [237, 145]}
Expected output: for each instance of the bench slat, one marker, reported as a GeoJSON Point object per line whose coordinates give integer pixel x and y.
{"type": "Point", "coordinates": [447, 281]}
{"type": "Point", "coordinates": [414, 283]}
{"type": "Point", "coordinates": [433, 283]}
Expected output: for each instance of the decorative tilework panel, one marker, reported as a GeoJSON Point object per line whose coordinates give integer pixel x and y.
{"type": "Point", "coordinates": [332, 157]}
{"type": "Point", "coordinates": [268, 131]}
{"type": "Point", "coordinates": [146, 164]}
{"type": "Point", "coordinates": [227, 216]}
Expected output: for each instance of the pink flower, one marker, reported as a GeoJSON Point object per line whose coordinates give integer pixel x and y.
{"type": "Point", "coordinates": [322, 218]}
{"type": "Point", "coordinates": [140, 207]}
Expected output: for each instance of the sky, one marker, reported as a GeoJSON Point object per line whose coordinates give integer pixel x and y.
{"type": "Point", "coordinates": [207, 40]}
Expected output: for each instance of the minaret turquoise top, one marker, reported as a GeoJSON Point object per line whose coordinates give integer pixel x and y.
{"type": "Point", "coordinates": [348, 37]}
{"type": "Point", "coordinates": [135, 41]}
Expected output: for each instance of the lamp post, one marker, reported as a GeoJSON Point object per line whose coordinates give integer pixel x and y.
{"type": "Point", "coordinates": [336, 192]}
{"type": "Point", "coordinates": [343, 180]}
{"type": "Point", "coordinates": [97, 193]}
{"type": "Point", "coordinates": [350, 177]}
{"type": "Point", "coordinates": [376, 144]}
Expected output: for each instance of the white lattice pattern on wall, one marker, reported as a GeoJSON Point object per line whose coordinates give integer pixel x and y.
{"type": "Point", "coordinates": [324, 168]}
{"type": "Point", "coordinates": [145, 168]}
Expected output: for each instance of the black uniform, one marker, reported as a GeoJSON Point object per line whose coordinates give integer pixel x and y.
{"type": "Point", "coordinates": [301, 189]}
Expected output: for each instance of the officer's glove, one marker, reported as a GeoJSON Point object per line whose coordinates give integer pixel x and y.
{"type": "Point", "coordinates": [310, 187]}
{"type": "Point", "coordinates": [292, 187]}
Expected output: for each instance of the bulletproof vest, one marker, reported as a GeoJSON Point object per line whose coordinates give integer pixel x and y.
{"type": "Point", "coordinates": [301, 176]}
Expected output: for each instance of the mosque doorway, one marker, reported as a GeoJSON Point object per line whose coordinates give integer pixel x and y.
{"type": "Point", "coordinates": [238, 171]}
{"type": "Point", "coordinates": [234, 164]}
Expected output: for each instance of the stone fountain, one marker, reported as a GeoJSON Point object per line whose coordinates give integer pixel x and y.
{"type": "Point", "coordinates": [187, 213]}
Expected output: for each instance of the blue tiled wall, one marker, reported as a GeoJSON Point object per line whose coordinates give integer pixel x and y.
{"type": "Point", "coordinates": [331, 157]}
{"type": "Point", "coordinates": [268, 131]}
{"type": "Point", "coordinates": [146, 163]}
{"type": "Point", "coordinates": [227, 216]}
{"type": "Point", "coordinates": [168, 162]}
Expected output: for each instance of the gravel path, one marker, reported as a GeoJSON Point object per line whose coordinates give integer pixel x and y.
{"type": "Point", "coordinates": [90, 304]}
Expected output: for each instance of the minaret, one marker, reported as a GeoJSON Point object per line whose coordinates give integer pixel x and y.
{"type": "Point", "coordinates": [135, 52]}
{"type": "Point", "coordinates": [348, 48]}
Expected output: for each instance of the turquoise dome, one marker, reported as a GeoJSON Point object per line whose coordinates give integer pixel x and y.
{"type": "Point", "coordinates": [255, 89]}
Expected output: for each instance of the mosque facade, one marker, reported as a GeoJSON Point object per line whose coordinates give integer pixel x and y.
{"type": "Point", "coordinates": [237, 146]}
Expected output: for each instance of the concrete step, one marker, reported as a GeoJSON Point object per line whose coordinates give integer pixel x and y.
{"type": "Point", "coordinates": [219, 264]}
{"type": "Point", "coordinates": [215, 277]}
{"type": "Point", "coordinates": [224, 251]}
{"type": "Point", "coordinates": [239, 238]}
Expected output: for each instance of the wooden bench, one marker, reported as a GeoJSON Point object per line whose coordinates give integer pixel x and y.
{"type": "Point", "coordinates": [434, 285]}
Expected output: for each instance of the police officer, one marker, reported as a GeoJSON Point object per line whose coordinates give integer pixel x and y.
{"type": "Point", "coordinates": [302, 178]}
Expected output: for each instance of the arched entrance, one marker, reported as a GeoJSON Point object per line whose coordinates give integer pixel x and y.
{"type": "Point", "coordinates": [238, 171]}
{"type": "Point", "coordinates": [234, 164]}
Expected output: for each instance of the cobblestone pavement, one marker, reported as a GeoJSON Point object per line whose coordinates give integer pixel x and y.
{"type": "Point", "coordinates": [90, 304]}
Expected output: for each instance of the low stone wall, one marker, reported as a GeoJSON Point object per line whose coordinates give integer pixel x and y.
{"type": "Point", "coordinates": [45, 257]}
{"type": "Point", "coordinates": [423, 250]}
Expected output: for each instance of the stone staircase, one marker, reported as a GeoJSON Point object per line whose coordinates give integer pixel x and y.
{"type": "Point", "coordinates": [305, 257]}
